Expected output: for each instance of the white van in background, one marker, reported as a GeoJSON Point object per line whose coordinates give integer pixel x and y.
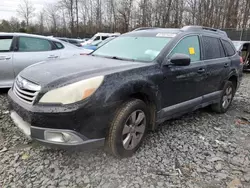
{"type": "Point", "coordinates": [100, 37]}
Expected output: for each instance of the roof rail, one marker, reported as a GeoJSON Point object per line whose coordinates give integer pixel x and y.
{"type": "Point", "coordinates": [197, 28]}
{"type": "Point", "coordinates": [145, 28]}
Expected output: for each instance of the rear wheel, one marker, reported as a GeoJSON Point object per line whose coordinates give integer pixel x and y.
{"type": "Point", "coordinates": [226, 98]}
{"type": "Point", "coordinates": [128, 129]}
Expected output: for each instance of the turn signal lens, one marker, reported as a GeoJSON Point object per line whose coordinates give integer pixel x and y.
{"type": "Point", "coordinates": [88, 92]}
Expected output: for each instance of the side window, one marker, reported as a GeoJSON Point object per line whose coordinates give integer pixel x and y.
{"type": "Point", "coordinates": [103, 38]}
{"type": "Point", "coordinates": [212, 48]}
{"type": "Point", "coordinates": [97, 38]}
{"type": "Point", "coordinates": [189, 46]}
{"type": "Point", "coordinates": [72, 41]}
{"type": "Point", "coordinates": [228, 47]}
{"type": "Point", "coordinates": [5, 43]}
{"type": "Point", "coordinates": [58, 45]}
{"type": "Point", "coordinates": [30, 44]}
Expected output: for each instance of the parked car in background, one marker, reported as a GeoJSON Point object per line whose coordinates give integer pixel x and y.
{"type": "Point", "coordinates": [100, 37]}
{"type": "Point", "coordinates": [97, 44]}
{"type": "Point", "coordinates": [126, 87]}
{"type": "Point", "coordinates": [243, 47]}
{"type": "Point", "coordinates": [76, 42]}
{"type": "Point", "coordinates": [19, 50]}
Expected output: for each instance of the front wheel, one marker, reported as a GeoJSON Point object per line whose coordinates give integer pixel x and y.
{"type": "Point", "coordinates": [128, 129]}
{"type": "Point", "coordinates": [226, 98]}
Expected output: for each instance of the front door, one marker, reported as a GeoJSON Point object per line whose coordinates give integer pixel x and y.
{"type": "Point", "coordinates": [31, 50]}
{"type": "Point", "coordinates": [183, 85]}
{"type": "Point", "coordinates": [6, 66]}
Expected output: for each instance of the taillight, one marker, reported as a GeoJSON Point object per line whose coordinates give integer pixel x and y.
{"type": "Point", "coordinates": [241, 60]}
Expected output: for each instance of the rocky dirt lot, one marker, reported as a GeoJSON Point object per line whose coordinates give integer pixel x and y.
{"type": "Point", "coordinates": [201, 149]}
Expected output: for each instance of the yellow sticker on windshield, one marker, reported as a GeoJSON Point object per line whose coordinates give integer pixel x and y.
{"type": "Point", "coordinates": [191, 51]}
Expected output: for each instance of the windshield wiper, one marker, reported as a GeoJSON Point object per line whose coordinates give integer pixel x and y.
{"type": "Point", "coordinates": [120, 58]}
{"type": "Point", "coordinates": [114, 57]}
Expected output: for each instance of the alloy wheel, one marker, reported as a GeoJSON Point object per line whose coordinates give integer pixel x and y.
{"type": "Point", "coordinates": [134, 129]}
{"type": "Point", "coordinates": [227, 98]}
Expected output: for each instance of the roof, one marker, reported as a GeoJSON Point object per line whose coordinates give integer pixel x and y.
{"type": "Point", "coordinates": [152, 32]}
{"type": "Point", "coordinates": [27, 35]}
{"type": "Point", "coordinates": [191, 29]}
{"type": "Point", "coordinates": [106, 34]}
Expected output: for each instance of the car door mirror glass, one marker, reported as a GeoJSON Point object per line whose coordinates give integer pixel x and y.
{"type": "Point", "coordinates": [179, 60]}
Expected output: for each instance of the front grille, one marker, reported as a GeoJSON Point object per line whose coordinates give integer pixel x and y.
{"type": "Point", "coordinates": [25, 90]}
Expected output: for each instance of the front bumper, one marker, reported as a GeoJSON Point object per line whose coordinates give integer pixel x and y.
{"type": "Point", "coordinates": [39, 134]}
{"type": "Point", "coordinates": [87, 123]}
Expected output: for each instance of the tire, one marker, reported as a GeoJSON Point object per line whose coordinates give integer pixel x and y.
{"type": "Point", "coordinates": [221, 106]}
{"type": "Point", "coordinates": [130, 113]}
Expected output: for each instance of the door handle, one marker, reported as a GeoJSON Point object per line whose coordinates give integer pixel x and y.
{"type": "Point", "coordinates": [53, 56]}
{"type": "Point", "coordinates": [5, 58]}
{"type": "Point", "coordinates": [226, 65]}
{"type": "Point", "coordinates": [201, 70]}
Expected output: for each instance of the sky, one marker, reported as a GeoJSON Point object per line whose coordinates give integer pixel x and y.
{"type": "Point", "coordinates": [8, 7]}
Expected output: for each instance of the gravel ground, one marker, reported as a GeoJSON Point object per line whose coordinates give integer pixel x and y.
{"type": "Point", "coordinates": [201, 149]}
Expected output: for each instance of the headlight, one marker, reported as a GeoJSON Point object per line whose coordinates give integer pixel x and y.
{"type": "Point", "coordinates": [74, 92]}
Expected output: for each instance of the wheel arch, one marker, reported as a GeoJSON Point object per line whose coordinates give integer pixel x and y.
{"type": "Point", "coordinates": [231, 77]}
{"type": "Point", "coordinates": [138, 89]}
{"type": "Point", "coordinates": [234, 80]}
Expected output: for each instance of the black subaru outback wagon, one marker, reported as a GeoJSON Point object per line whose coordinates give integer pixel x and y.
{"type": "Point", "coordinates": [126, 87]}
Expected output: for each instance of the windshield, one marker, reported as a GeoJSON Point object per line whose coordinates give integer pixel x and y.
{"type": "Point", "coordinates": [135, 48]}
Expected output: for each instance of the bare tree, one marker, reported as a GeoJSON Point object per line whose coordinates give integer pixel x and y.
{"type": "Point", "coordinates": [52, 17]}
{"type": "Point", "coordinates": [41, 21]}
{"type": "Point", "coordinates": [26, 11]}
{"type": "Point", "coordinates": [86, 17]}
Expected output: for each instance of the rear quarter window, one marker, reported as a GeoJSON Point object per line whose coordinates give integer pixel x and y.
{"type": "Point", "coordinates": [212, 48]}
{"type": "Point", "coordinates": [58, 45]}
{"type": "Point", "coordinates": [228, 48]}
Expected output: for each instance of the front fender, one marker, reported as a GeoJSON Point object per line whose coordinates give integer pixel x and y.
{"type": "Point", "coordinates": [121, 90]}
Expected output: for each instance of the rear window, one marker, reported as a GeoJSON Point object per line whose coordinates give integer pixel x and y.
{"type": "Point", "coordinates": [5, 43]}
{"type": "Point", "coordinates": [212, 48]}
{"type": "Point", "coordinates": [228, 47]}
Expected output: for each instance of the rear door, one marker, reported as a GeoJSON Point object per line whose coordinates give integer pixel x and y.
{"type": "Point", "coordinates": [32, 50]}
{"type": "Point", "coordinates": [6, 57]}
{"type": "Point", "coordinates": [217, 64]}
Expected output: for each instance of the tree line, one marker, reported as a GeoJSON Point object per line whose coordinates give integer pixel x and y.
{"type": "Point", "coordinates": [83, 18]}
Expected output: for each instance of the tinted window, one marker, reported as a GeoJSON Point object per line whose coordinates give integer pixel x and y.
{"type": "Point", "coordinates": [65, 40]}
{"type": "Point", "coordinates": [73, 41]}
{"type": "Point", "coordinates": [104, 38]}
{"type": "Point", "coordinates": [136, 48]}
{"type": "Point", "coordinates": [5, 43]}
{"type": "Point", "coordinates": [228, 47]}
{"type": "Point", "coordinates": [189, 46]}
{"type": "Point", "coordinates": [59, 45]}
{"type": "Point", "coordinates": [97, 38]}
{"type": "Point", "coordinates": [30, 44]}
{"type": "Point", "coordinates": [212, 48]}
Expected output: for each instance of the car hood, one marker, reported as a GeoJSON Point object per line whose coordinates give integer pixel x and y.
{"type": "Point", "coordinates": [81, 67]}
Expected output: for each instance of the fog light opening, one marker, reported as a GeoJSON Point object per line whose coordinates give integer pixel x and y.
{"type": "Point", "coordinates": [61, 137]}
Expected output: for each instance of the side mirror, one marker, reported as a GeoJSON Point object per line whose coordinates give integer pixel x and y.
{"type": "Point", "coordinates": [180, 59]}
